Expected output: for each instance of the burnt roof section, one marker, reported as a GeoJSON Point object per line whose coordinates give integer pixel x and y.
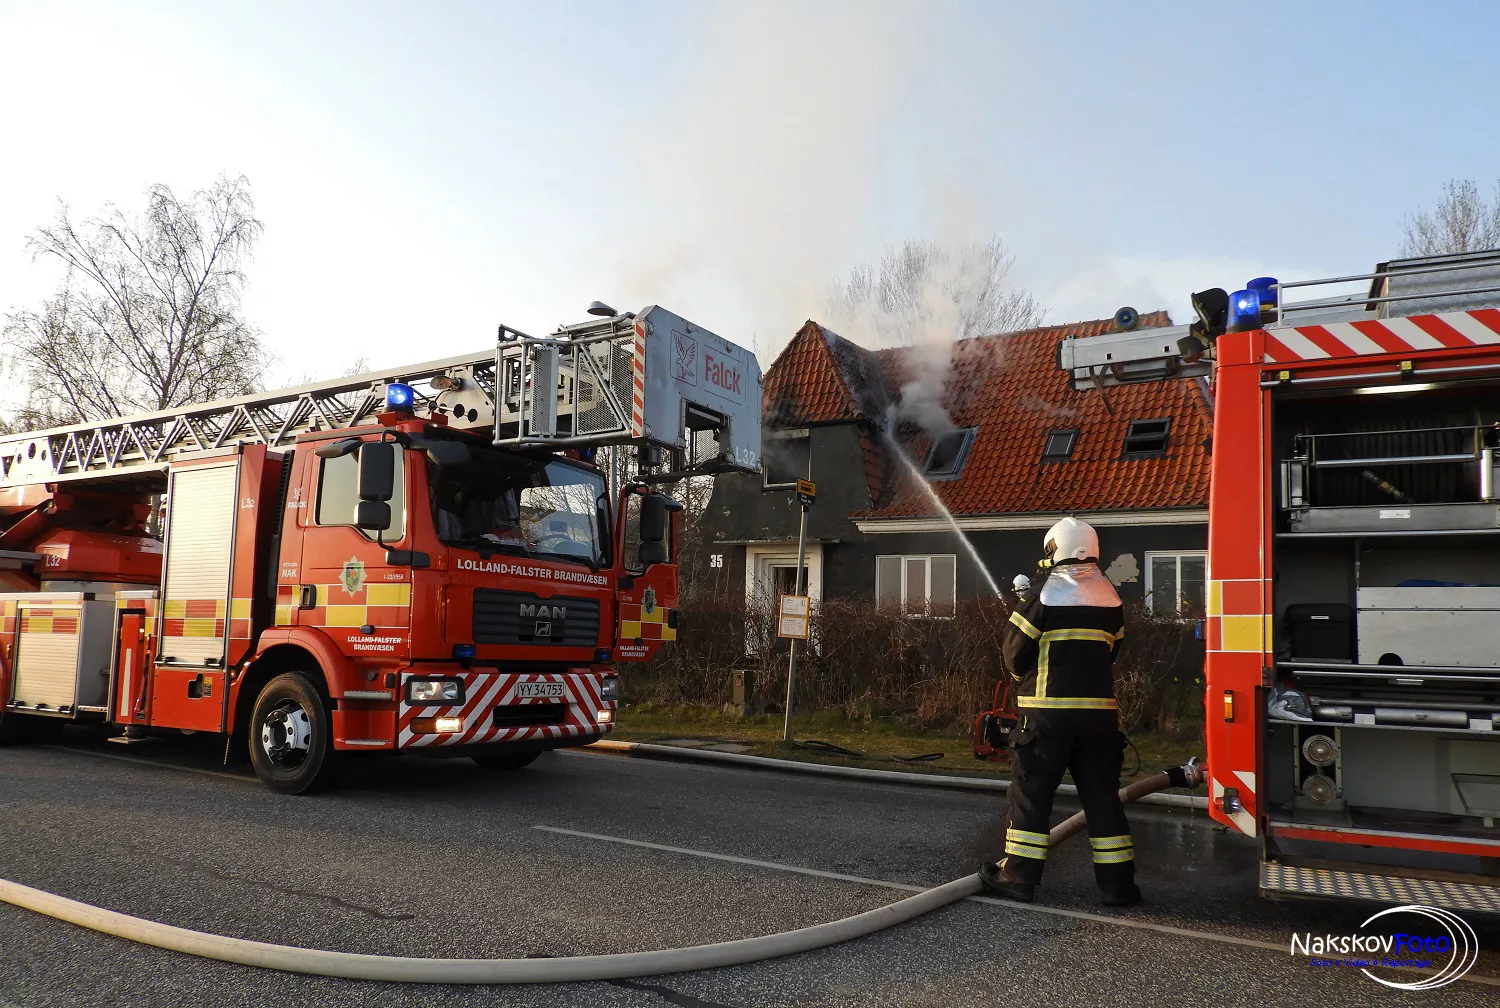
{"type": "Point", "coordinates": [1010, 388]}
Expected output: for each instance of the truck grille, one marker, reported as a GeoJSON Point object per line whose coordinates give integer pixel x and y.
{"type": "Point", "coordinates": [509, 617]}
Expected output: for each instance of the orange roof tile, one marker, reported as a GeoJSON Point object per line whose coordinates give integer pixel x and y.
{"type": "Point", "coordinates": [1010, 388]}
{"type": "Point", "coordinates": [805, 386]}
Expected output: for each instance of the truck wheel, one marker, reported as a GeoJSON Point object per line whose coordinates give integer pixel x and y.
{"type": "Point", "coordinates": [24, 729]}
{"type": "Point", "coordinates": [504, 761]}
{"type": "Point", "coordinates": [291, 741]}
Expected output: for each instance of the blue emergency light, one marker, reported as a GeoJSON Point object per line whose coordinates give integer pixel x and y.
{"type": "Point", "coordinates": [1244, 311]}
{"type": "Point", "coordinates": [1266, 288]}
{"type": "Point", "coordinates": [399, 396]}
{"type": "Point", "coordinates": [463, 651]}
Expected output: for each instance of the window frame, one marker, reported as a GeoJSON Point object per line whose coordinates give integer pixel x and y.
{"type": "Point", "coordinates": [926, 558]}
{"type": "Point", "coordinates": [960, 459]}
{"type": "Point", "coordinates": [1133, 435]}
{"type": "Point", "coordinates": [1150, 588]}
{"type": "Point", "coordinates": [400, 499]}
{"type": "Point", "coordinates": [1053, 458]}
{"type": "Point", "coordinates": [790, 434]}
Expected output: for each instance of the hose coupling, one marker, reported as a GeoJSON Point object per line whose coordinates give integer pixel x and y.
{"type": "Point", "coordinates": [1189, 775]}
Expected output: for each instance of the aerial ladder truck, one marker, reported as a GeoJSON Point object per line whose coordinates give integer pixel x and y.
{"type": "Point", "coordinates": [1353, 598]}
{"type": "Point", "coordinates": [448, 558]}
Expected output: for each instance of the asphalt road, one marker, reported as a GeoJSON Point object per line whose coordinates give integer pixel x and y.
{"type": "Point", "coordinates": [436, 858]}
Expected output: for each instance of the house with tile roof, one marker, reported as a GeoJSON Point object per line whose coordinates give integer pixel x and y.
{"type": "Point", "coordinates": [1021, 449]}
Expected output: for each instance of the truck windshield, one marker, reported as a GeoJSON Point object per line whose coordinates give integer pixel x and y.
{"type": "Point", "coordinates": [503, 503]}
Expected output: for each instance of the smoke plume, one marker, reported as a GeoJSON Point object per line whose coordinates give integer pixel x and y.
{"type": "Point", "coordinates": [761, 181]}
{"type": "Point", "coordinates": [925, 297]}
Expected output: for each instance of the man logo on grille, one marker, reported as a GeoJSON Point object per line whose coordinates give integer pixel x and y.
{"type": "Point", "coordinates": [543, 628]}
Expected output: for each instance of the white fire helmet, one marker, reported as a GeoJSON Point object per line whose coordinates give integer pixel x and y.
{"type": "Point", "coordinates": [1071, 539]}
{"type": "Point", "coordinates": [1021, 585]}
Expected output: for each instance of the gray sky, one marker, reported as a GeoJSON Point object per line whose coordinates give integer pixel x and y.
{"type": "Point", "coordinates": [426, 171]}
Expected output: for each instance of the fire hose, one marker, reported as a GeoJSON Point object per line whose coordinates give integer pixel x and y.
{"type": "Point", "coordinates": [357, 966]}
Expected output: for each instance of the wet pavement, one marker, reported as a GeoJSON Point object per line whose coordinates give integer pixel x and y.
{"type": "Point", "coordinates": [437, 858]}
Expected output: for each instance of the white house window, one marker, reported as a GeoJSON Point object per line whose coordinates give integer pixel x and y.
{"type": "Point", "coordinates": [918, 585]}
{"type": "Point", "coordinates": [1174, 582]}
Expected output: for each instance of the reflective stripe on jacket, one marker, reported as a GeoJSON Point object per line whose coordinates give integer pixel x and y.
{"type": "Point", "coordinates": [1062, 657]}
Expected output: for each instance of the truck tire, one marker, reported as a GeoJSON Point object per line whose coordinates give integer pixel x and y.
{"type": "Point", "coordinates": [27, 729]}
{"type": "Point", "coordinates": [504, 761]}
{"type": "Point", "coordinates": [291, 736]}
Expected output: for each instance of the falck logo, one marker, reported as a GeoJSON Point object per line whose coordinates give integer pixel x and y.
{"type": "Point", "coordinates": [684, 358]}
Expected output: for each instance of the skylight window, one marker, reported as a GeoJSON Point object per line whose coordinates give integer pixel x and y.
{"type": "Point", "coordinates": [1059, 446]}
{"type": "Point", "coordinates": [949, 452]}
{"type": "Point", "coordinates": [1146, 438]}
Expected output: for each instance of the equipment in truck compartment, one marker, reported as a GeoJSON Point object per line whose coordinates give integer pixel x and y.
{"type": "Point", "coordinates": [1429, 624]}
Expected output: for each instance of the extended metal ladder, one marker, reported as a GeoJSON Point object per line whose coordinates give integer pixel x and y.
{"type": "Point", "coordinates": [592, 375]}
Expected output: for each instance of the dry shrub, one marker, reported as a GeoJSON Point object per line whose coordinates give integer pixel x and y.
{"type": "Point", "coordinates": [1159, 672]}
{"type": "Point", "coordinates": [870, 662]}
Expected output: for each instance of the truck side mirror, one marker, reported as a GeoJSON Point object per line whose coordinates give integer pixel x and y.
{"type": "Point", "coordinates": [377, 471]}
{"type": "Point", "coordinates": [653, 529]}
{"type": "Point", "coordinates": [372, 516]}
{"type": "Point", "coordinates": [377, 484]}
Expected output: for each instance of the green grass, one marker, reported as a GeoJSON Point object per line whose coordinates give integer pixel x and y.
{"type": "Point", "coordinates": [880, 739]}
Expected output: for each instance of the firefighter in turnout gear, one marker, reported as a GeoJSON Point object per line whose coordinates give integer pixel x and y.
{"type": "Point", "coordinates": [1059, 651]}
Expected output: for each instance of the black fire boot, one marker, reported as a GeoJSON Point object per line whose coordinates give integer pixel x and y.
{"type": "Point", "coordinates": [1121, 897]}
{"type": "Point", "coordinates": [999, 882]}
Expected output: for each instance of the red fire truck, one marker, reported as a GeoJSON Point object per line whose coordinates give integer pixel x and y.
{"type": "Point", "coordinates": [447, 558]}
{"type": "Point", "coordinates": [1353, 597]}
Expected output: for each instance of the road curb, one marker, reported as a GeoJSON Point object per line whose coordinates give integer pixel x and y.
{"type": "Point", "coordinates": [861, 773]}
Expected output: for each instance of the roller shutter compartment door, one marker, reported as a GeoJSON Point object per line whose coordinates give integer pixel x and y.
{"type": "Point", "coordinates": [46, 655]}
{"type": "Point", "coordinates": [200, 545]}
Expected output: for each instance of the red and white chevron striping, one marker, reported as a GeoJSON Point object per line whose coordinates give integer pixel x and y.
{"type": "Point", "coordinates": [638, 380]}
{"type": "Point", "coordinates": [487, 690]}
{"type": "Point", "coordinates": [1383, 336]}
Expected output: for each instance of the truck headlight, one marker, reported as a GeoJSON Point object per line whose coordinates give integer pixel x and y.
{"type": "Point", "coordinates": [435, 691]}
{"type": "Point", "coordinates": [609, 689]}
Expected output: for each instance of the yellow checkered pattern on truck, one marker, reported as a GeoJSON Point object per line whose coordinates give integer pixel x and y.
{"type": "Point", "coordinates": [638, 624]}
{"type": "Point", "coordinates": [374, 604]}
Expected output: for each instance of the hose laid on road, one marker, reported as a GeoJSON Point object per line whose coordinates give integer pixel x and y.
{"type": "Point", "coordinates": [859, 773]}
{"type": "Point", "coordinates": [1176, 777]}
{"type": "Point", "coordinates": [358, 966]}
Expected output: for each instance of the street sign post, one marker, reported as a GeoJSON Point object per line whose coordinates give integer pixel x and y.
{"type": "Point", "coordinates": [807, 494]}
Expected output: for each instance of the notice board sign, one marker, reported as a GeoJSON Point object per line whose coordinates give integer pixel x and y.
{"type": "Point", "coordinates": [794, 614]}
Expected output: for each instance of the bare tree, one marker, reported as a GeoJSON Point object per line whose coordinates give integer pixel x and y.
{"type": "Point", "coordinates": [923, 292]}
{"type": "Point", "coordinates": [693, 545]}
{"type": "Point", "coordinates": [1461, 222]}
{"type": "Point", "coordinates": [148, 314]}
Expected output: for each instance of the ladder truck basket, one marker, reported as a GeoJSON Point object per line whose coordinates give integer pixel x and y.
{"type": "Point", "coordinates": [650, 378]}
